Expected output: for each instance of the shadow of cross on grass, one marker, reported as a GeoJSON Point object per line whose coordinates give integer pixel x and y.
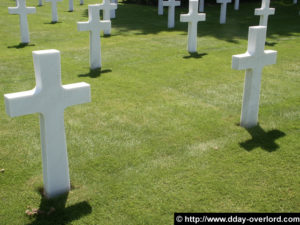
{"type": "Point", "coordinates": [53, 211]}
{"type": "Point", "coordinates": [263, 139]}
{"type": "Point", "coordinates": [94, 73]}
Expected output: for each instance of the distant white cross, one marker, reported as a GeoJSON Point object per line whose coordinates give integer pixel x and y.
{"type": "Point", "coordinates": [295, 1]}
{"type": "Point", "coordinates": [107, 8]}
{"type": "Point", "coordinates": [81, 2]}
{"type": "Point", "coordinates": [193, 17]}
{"type": "Point", "coordinates": [201, 5]}
{"type": "Point", "coordinates": [171, 11]}
{"type": "Point", "coordinates": [237, 4]}
{"type": "Point", "coordinates": [113, 11]}
{"type": "Point", "coordinates": [54, 9]}
{"type": "Point", "coordinates": [71, 5]}
{"type": "Point", "coordinates": [49, 98]}
{"type": "Point", "coordinates": [160, 7]}
{"type": "Point", "coordinates": [40, 3]}
{"type": "Point", "coordinates": [94, 25]}
{"type": "Point", "coordinates": [253, 62]}
{"type": "Point", "coordinates": [22, 10]}
{"type": "Point", "coordinates": [264, 12]}
{"type": "Point", "coordinates": [223, 10]}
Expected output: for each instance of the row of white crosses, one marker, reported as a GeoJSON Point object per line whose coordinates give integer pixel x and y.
{"type": "Point", "coordinates": [253, 62]}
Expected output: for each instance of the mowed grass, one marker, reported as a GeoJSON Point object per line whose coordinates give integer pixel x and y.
{"type": "Point", "coordinates": [161, 134]}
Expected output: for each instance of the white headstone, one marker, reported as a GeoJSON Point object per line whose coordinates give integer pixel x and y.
{"type": "Point", "coordinates": [223, 10]}
{"type": "Point", "coordinates": [201, 5]}
{"type": "Point", "coordinates": [40, 3]}
{"type": "Point", "coordinates": [71, 5]}
{"type": "Point", "coordinates": [193, 17]}
{"type": "Point", "coordinates": [107, 8]}
{"type": "Point", "coordinates": [253, 62]}
{"type": "Point", "coordinates": [237, 4]}
{"type": "Point", "coordinates": [171, 11]}
{"type": "Point", "coordinates": [49, 98]}
{"type": "Point", "coordinates": [54, 9]}
{"type": "Point", "coordinates": [81, 2]}
{"type": "Point", "coordinates": [94, 25]}
{"type": "Point", "coordinates": [22, 10]}
{"type": "Point", "coordinates": [160, 7]}
{"type": "Point", "coordinates": [113, 11]}
{"type": "Point", "coordinates": [264, 12]}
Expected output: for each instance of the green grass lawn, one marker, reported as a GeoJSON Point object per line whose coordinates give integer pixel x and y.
{"type": "Point", "coordinates": [161, 134]}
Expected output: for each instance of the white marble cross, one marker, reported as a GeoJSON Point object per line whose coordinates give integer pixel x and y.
{"type": "Point", "coordinates": [171, 11]}
{"type": "Point", "coordinates": [113, 11]}
{"type": "Point", "coordinates": [54, 9]}
{"type": "Point", "coordinates": [71, 5]}
{"type": "Point", "coordinates": [107, 8]}
{"type": "Point", "coordinates": [253, 62]}
{"type": "Point", "coordinates": [264, 12]}
{"type": "Point", "coordinates": [201, 5]}
{"type": "Point", "coordinates": [223, 10]}
{"type": "Point", "coordinates": [49, 98]}
{"type": "Point", "coordinates": [22, 10]}
{"type": "Point", "coordinates": [193, 17]}
{"type": "Point", "coordinates": [40, 3]}
{"type": "Point", "coordinates": [81, 2]}
{"type": "Point", "coordinates": [237, 4]}
{"type": "Point", "coordinates": [160, 7]}
{"type": "Point", "coordinates": [94, 25]}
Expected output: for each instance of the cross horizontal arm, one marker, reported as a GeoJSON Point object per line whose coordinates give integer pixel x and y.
{"type": "Point", "coordinates": [84, 26]}
{"type": "Point", "coordinates": [262, 11]}
{"type": "Point", "coordinates": [21, 103]}
{"type": "Point", "coordinates": [242, 61]}
{"type": "Point", "coordinates": [171, 3]}
{"type": "Point", "coordinates": [77, 93]}
{"type": "Point", "coordinates": [17, 10]}
{"type": "Point", "coordinates": [111, 6]}
{"type": "Point", "coordinates": [187, 17]}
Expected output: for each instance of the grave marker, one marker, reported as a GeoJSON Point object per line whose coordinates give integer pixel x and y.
{"type": "Point", "coordinates": [264, 12]}
{"type": "Point", "coordinates": [113, 11]}
{"type": "Point", "coordinates": [171, 11]}
{"type": "Point", "coordinates": [193, 17]}
{"type": "Point", "coordinates": [94, 25]}
{"type": "Point", "coordinates": [223, 10]}
{"type": "Point", "coordinates": [107, 8]}
{"type": "Point", "coordinates": [201, 5]}
{"type": "Point", "coordinates": [54, 9]}
{"type": "Point", "coordinates": [253, 62]}
{"type": "Point", "coordinates": [237, 4]}
{"type": "Point", "coordinates": [22, 11]}
{"type": "Point", "coordinates": [49, 98]}
{"type": "Point", "coordinates": [160, 7]}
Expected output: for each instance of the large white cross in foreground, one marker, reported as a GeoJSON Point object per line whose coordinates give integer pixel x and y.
{"type": "Point", "coordinates": [22, 10]}
{"type": "Point", "coordinates": [171, 11]}
{"type": "Point", "coordinates": [223, 10]}
{"type": "Point", "coordinates": [193, 17]}
{"type": "Point", "coordinates": [54, 9]}
{"type": "Point", "coordinates": [107, 8]}
{"type": "Point", "coordinates": [94, 25]}
{"type": "Point", "coordinates": [253, 62]}
{"type": "Point", "coordinates": [264, 12]}
{"type": "Point", "coordinates": [201, 5]}
{"type": "Point", "coordinates": [49, 98]}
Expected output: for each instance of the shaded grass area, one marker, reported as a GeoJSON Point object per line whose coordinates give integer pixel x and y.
{"type": "Point", "coordinates": [160, 134]}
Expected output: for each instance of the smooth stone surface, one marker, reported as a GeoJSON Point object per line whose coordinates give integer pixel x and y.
{"type": "Point", "coordinates": [107, 7]}
{"type": "Point", "coordinates": [201, 5]}
{"type": "Point", "coordinates": [49, 98]}
{"type": "Point", "coordinates": [264, 12]}
{"type": "Point", "coordinates": [160, 7]}
{"type": "Point", "coordinates": [193, 17]}
{"type": "Point", "coordinates": [113, 11]}
{"type": "Point", "coordinates": [223, 10]}
{"type": "Point", "coordinates": [237, 4]}
{"type": "Point", "coordinates": [22, 11]}
{"type": "Point", "coordinates": [54, 9]}
{"type": "Point", "coordinates": [94, 25]}
{"type": "Point", "coordinates": [171, 11]}
{"type": "Point", "coordinates": [253, 62]}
